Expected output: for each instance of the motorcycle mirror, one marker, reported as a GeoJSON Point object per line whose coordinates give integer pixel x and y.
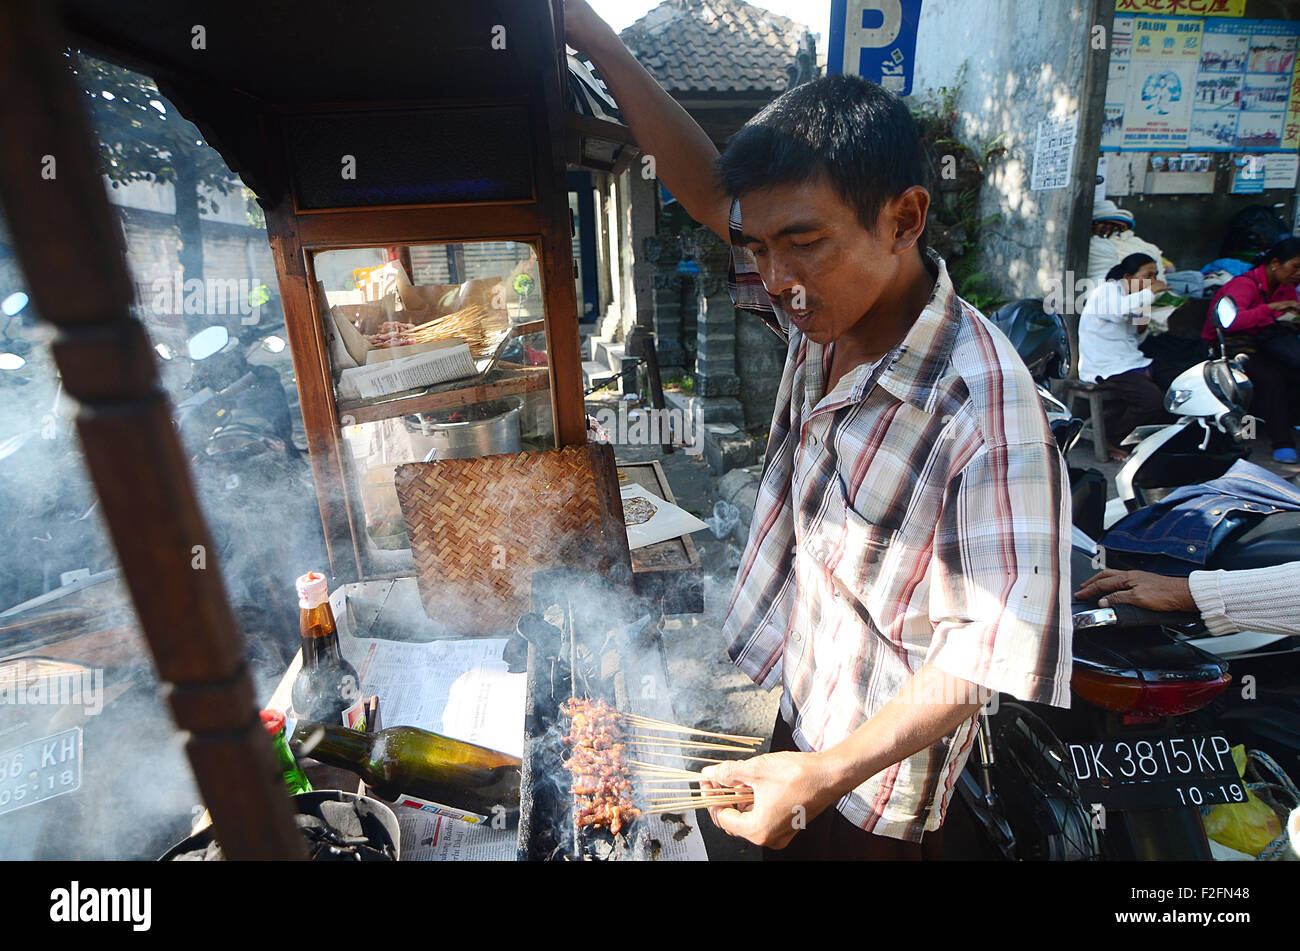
{"type": "Point", "coordinates": [164, 351]}
{"type": "Point", "coordinates": [207, 342]}
{"type": "Point", "coordinates": [273, 344]}
{"type": "Point", "coordinates": [11, 361]}
{"type": "Point", "coordinates": [13, 304]}
{"type": "Point", "coordinates": [1225, 312]}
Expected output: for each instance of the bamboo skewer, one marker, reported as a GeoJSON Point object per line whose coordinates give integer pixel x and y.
{"type": "Point", "coordinates": [661, 768]}
{"type": "Point", "coordinates": [698, 759]}
{"type": "Point", "coordinates": [663, 725]}
{"type": "Point", "coordinates": [671, 801]}
{"type": "Point", "coordinates": [726, 792]}
{"type": "Point", "coordinates": [685, 807]}
{"type": "Point", "coordinates": [644, 740]}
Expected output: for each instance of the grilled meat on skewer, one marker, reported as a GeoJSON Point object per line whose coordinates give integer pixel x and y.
{"type": "Point", "coordinates": [601, 789]}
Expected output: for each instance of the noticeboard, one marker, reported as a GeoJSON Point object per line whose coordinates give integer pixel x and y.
{"type": "Point", "coordinates": [1206, 84]}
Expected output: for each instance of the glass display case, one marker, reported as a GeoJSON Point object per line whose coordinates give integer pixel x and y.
{"type": "Point", "coordinates": [436, 351]}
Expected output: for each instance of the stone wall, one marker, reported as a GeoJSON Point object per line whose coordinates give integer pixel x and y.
{"type": "Point", "coordinates": [760, 358]}
{"type": "Point", "coordinates": [661, 252]}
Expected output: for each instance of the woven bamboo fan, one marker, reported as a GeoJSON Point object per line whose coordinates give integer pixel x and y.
{"type": "Point", "coordinates": [480, 527]}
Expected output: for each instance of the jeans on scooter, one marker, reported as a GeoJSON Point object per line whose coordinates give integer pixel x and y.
{"type": "Point", "coordinates": [1181, 530]}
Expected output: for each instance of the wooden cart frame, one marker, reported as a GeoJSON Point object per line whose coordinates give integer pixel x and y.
{"type": "Point", "coordinates": [64, 226]}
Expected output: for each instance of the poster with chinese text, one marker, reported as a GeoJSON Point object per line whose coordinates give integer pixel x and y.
{"type": "Point", "coordinates": [1162, 82]}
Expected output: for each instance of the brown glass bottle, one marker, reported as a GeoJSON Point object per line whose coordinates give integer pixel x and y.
{"type": "Point", "coordinates": [327, 688]}
{"type": "Point", "coordinates": [406, 761]}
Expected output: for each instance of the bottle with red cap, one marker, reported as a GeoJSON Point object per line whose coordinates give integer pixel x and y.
{"type": "Point", "coordinates": [327, 689]}
{"type": "Point", "coordinates": [295, 780]}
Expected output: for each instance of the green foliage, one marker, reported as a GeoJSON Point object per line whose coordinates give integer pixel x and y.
{"type": "Point", "coordinates": [955, 173]}
{"type": "Point", "coordinates": [143, 137]}
{"type": "Point", "coordinates": [685, 383]}
{"type": "Point", "coordinates": [252, 210]}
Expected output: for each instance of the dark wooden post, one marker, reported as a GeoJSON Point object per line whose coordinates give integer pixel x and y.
{"type": "Point", "coordinates": [69, 245]}
{"type": "Point", "coordinates": [641, 343]}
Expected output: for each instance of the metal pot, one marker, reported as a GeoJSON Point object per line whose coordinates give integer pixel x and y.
{"type": "Point", "coordinates": [484, 429]}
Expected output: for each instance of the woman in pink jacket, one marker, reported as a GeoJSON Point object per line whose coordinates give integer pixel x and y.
{"type": "Point", "coordinates": [1266, 305]}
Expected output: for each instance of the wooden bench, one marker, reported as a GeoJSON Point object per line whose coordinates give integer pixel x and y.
{"type": "Point", "coordinates": [1094, 426]}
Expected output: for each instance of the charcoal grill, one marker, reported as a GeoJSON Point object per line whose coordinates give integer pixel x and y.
{"type": "Point", "coordinates": [581, 642]}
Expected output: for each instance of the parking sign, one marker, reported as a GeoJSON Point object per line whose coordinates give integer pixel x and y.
{"type": "Point", "coordinates": [875, 39]}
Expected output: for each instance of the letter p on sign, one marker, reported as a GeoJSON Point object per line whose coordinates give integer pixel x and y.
{"type": "Point", "coordinates": [875, 39]}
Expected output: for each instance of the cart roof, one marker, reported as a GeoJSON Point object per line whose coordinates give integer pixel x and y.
{"type": "Point", "coordinates": [283, 55]}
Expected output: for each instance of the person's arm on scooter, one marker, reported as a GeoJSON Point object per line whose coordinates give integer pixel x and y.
{"type": "Point", "coordinates": [1255, 599]}
{"type": "Point", "coordinates": [682, 153]}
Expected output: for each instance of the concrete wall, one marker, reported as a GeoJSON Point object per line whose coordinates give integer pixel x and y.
{"type": "Point", "coordinates": [232, 207]}
{"type": "Point", "coordinates": [1018, 63]}
{"type": "Point", "coordinates": [229, 252]}
{"type": "Point", "coordinates": [642, 215]}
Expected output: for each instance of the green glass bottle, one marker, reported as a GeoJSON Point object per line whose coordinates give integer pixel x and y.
{"type": "Point", "coordinates": [414, 767]}
{"type": "Point", "coordinates": [294, 778]}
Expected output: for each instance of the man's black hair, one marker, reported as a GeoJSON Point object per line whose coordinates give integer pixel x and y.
{"type": "Point", "coordinates": [861, 136]}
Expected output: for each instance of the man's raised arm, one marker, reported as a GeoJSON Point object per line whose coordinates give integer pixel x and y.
{"type": "Point", "coordinates": [682, 153]}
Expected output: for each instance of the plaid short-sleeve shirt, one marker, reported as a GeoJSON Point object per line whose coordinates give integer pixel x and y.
{"type": "Point", "coordinates": [918, 513]}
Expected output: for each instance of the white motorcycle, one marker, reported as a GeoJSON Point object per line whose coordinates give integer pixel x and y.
{"type": "Point", "coordinates": [1210, 400]}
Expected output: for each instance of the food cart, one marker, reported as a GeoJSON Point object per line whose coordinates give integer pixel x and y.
{"type": "Point", "coordinates": [404, 184]}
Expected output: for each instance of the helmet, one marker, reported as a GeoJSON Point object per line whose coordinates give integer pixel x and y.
{"type": "Point", "coordinates": [1039, 337]}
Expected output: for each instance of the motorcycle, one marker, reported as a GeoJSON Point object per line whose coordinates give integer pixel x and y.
{"type": "Point", "coordinates": [1123, 773]}
{"type": "Point", "coordinates": [238, 429]}
{"type": "Point", "coordinates": [1210, 401]}
{"type": "Point", "coordinates": [78, 697]}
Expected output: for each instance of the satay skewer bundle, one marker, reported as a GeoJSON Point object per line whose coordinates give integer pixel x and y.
{"type": "Point", "coordinates": [466, 324]}
{"type": "Point", "coordinates": [610, 789]}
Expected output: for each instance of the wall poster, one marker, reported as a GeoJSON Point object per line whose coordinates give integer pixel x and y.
{"type": "Point", "coordinates": [1208, 84]}
{"type": "Point", "coordinates": [1161, 82]}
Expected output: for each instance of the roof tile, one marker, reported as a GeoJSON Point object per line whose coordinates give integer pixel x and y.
{"type": "Point", "coordinates": [715, 46]}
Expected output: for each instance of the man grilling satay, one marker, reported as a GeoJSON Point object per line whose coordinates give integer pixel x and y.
{"type": "Point", "coordinates": [908, 545]}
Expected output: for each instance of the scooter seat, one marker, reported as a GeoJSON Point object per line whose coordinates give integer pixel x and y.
{"type": "Point", "coordinates": [1259, 543]}
{"type": "Point", "coordinates": [1125, 648]}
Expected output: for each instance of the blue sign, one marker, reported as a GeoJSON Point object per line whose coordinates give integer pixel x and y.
{"type": "Point", "coordinates": [875, 39]}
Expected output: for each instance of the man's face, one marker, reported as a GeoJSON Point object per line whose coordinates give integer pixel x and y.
{"type": "Point", "coordinates": [815, 257]}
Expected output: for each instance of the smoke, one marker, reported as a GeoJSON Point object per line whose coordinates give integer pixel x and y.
{"type": "Point", "coordinates": [136, 795]}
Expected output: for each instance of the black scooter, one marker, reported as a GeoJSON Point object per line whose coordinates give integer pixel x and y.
{"type": "Point", "coordinates": [238, 430]}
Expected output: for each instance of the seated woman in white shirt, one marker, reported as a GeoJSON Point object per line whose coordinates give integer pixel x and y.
{"type": "Point", "coordinates": [1108, 348]}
